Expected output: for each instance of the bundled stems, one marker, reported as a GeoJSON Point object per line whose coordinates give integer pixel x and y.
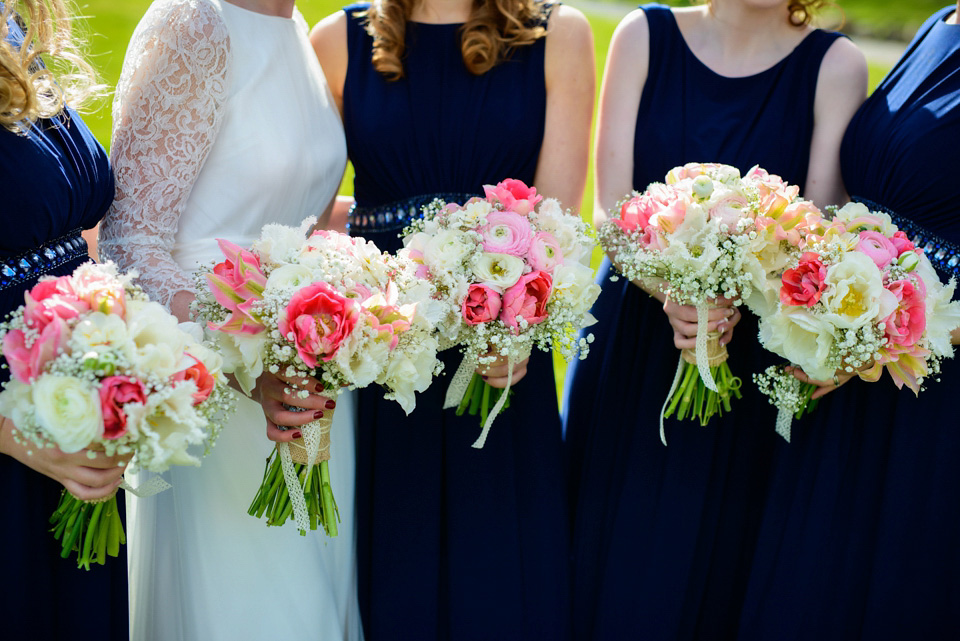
{"type": "Point", "coordinates": [480, 397]}
{"type": "Point", "coordinates": [693, 400]}
{"type": "Point", "coordinates": [92, 529]}
{"type": "Point", "coordinates": [273, 498]}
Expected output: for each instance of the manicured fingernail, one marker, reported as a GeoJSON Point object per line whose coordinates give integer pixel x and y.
{"type": "Point", "coordinates": [318, 387]}
{"type": "Point", "coordinates": [296, 435]}
{"type": "Point", "coordinates": [318, 414]}
{"type": "Point", "coordinates": [331, 404]}
{"type": "Point", "coordinates": [721, 328]}
{"type": "Point", "coordinates": [729, 312]}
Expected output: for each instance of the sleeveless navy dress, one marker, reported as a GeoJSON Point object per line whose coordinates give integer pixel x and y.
{"type": "Point", "coordinates": [56, 181]}
{"type": "Point", "coordinates": [861, 533]}
{"type": "Point", "coordinates": [453, 542]}
{"type": "Point", "coordinates": [663, 535]}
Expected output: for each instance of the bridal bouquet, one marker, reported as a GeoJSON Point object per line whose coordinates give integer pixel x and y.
{"type": "Point", "coordinates": [328, 306]}
{"type": "Point", "coordinates": [704, 234]}
{"type": "Point", "coordinates": [95, 365]}
{"type": "Point", "coordinates": [861, 298]}
{"type": "Point", "coordinates": [509, 276]}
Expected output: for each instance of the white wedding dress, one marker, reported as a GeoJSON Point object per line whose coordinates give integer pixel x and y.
{"type": "Point", "coordinates": [223, 122]}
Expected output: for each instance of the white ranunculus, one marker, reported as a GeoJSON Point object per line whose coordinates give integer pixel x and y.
{"type": "Point", "coordinates": [446, 250]}
{"type": "Point", "coordinates": [498, 270]}
{"type": "Point", "coordinates": [563, 227]}
{"type": "Point", "coordinates": [800, 337]}
{"type": "Point", "coordinates": [855, 296]}
{"type": "Point", "coordinates": [98, 331]}
{"type": "Point", "coordinates": [857, 217]}
{"type": "Point", "coordinates": [68, 409]}
{"type": "Point", "coordinates": [288, 277]}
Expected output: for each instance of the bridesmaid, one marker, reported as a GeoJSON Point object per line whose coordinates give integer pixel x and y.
{"type": "Point", "coordinates": [663, 535]}
{"type": "Point", "coordinates": [861, 529]}
{"type": "Point", "coordinates": [440, 98]}
{"type": "Point", "coordinates": [56, 181]}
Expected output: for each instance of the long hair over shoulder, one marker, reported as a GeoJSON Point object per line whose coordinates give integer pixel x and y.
{"type": "Point", "coordinates": [493, 30]}
{"type": "Point", "coordinates": [28, 89]}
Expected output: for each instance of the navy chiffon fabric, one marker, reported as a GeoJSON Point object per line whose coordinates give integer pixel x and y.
{"type": "Point", "coordinates": [663, 536]}
{"type": "Point", "coordinates": [454, 542]}
{"type": "Point", "coordinates": [56, 180]}
{"type": "Point", "coordinates": [860, 533]}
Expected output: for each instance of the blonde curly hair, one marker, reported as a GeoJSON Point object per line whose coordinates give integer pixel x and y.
{"type": "Point", "coordinates": [488, 37]}
{"type": "Point", "coordinates": [799, 12]}
{"type": "Point", "coordinates": [28, 89]}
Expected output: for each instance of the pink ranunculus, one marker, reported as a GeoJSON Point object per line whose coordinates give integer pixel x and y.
{"type": "Point", "coordinates": [527, 299]}
{"type": "Point", "coordinates": [902, 243]}
{"type": "Point", "coordinates": [514, 195]}
{"type": "Point", "coordinates": [506, 232]}
{"type": "Point", "coordinates": [237, 283]}
{"type": "Point", "coordinates": [878, 247]}
{"type": "Point", "coordinates": [803, 285]}
{"type": "Point", "coordinates": [905, 326]}
{"type": "Point", "coordinates": [728, 211]}
{"type": "Point", "coordinates": [636, 212]}
{"type": "Point", "coordinates": [115, 392]}
{"type": "Point", "coordinates": [201, 377]}
{"type": "Point", "coordinates": [317, 320]}
{"type": "Point", "coordinates": [27, 363]}
{"type": "Point", "coordinates": [545, 253]}
{"type": "Point", "coordinates": [481, 305]}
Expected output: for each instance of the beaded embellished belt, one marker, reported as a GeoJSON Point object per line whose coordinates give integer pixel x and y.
{"type": "Point", "coordinates": [34, 263]}
{"type": "Point", "coordinates": [396, 215]}
{"type": "Point", "coordinates": [943, 254]}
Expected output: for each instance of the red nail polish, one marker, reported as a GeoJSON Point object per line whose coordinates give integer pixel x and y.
{"type": "Point", "coordinates": [318, 414]}
{"type": "Point", "coordinates": [318, 387]}
{"type": "Point", "coordinates": [331, 404]}
{"type": "Point", "coordinates": [296, 435]}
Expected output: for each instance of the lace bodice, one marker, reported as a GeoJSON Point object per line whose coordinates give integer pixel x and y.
{"type": "Point", "coordinates": [222, 123]}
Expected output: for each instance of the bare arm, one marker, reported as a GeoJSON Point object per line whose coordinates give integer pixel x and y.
{"type": "Point", "coordinates": [329, 40]}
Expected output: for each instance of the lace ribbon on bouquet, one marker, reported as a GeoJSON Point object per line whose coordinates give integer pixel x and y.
{"type": "Point", "coordinates": [709, 353]}
{"type": "Point", "coordinates": [461, 380]}
{"type": "Point", "coordinates": [315, 448]}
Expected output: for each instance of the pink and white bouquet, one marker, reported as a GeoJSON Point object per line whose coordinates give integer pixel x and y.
{"type": "Point", "coordinates": [95, 365]}
{"type": "Point", "coordinates": [860, 298]}
{"type": "Point", "coordinates": [508, 271]}
{"type": "Point", "coordinates": [328, 306]}
{"type": "Point", "coordinates": [704, 234]}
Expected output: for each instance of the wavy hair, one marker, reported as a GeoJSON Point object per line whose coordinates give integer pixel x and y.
{"type": "Point", "coordinates": [28, 89]}
{"type": "Point", "coordinates": [799, 12]}
{"type": "Point", "coordinates": [494, 29]}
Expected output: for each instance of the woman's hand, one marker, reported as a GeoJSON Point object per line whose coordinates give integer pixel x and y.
{"type": "Point", "coordinates": [275, 393]}
{"type": "Point", "coordinates": [495, 374]}
{"type": "Point", "coordinates": [823, 387]}
{"type": "Point", "coordinates": [683, 318]}
{"type": "Point", "coordinates": [84, 477]}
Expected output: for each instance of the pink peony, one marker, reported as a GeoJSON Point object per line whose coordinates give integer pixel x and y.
{"type": "Point", "coordinates": [636, 212]}
{"type": "Point", "coordinates": [201, 377]}
{"type": "Point", "coordinates": [317, 321]}
{"type": "Point", "coordinates": [506, 233]}
{"type": "Point", "coordinates": [27, 363]}
{"type": "Point", "coordinates": [481, 305]}
{"type": "Point", "coordinates": [237, 283]}
{"type": "Point", "coordinates": [514, 195]}
{"type": "Point", "coordinates": [115, 392]}
{"type": "Point", "coordinates": [527, 299]}
{"type": "Point", "coordinates": [905, 326]}
{"type": "Point", "coordinates": [878, 248]}
{"type": "Point", "coordinates": [803, 285]}
{"type": "Point", "coordinates": [545, 252]}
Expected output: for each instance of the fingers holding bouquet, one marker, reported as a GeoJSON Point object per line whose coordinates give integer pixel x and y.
{"type": "Point", "coordinates": [684, 321]}
{"type": "Point", "coordinates": [822, 387]}
{"type": "Point", "coordinates": [290, 401]}
{"type": "Point", "coordinates": [496, 373]}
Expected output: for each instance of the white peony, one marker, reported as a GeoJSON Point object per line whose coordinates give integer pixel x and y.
{"type": "Point", "coordinates": [802, 338]}
{"type": "Point", "coordinates": [98, 331]}
{"type": "Point", "coordinates": [68, 409]}
{"type": "Point", "coordinates": [158, 341]}
{"type": "Point", "coordinates": [573, 284]}
{"type": "Point", "coordinates": [498, 270]}
{"type": "Point", "coordinates": [855, 295]}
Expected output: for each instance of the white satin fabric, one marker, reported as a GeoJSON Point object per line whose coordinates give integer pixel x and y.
{"type": "Point", "coordinates": [223, 122]}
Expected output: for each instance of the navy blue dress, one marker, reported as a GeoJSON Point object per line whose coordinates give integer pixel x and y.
{"type": "Point", "coordinates": [453, 542]}
{"type": "Point", "coordinates": [56, 181]}
{"type": "Point", "coordinates": [663, 535]}
{"type": "Point", "coordinates": [861, 533]}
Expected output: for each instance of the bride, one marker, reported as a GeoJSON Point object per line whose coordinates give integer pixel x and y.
{"type": "Point", "coordinates": [222, 123]}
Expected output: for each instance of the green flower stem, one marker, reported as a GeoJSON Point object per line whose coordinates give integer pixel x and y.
{"type": "Point", "coordinates": [807, 390]}
{"type": "Point", "coordinates": [330, 513]}
{"type": "Point", "coordinates": [692, 398]}
{"type": "Point", "coordinates": [273, 500]}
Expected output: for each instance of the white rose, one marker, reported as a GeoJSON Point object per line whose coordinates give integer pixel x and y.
{"type": "Point", "coordinates": [288, 277]}
{"type": "Point", "coordinates": [498, 270]}
{"type": "Point", "coordinates": [446, 250]}
{"type": "Point", "coordinates": [801, 338]}
{"type": "Point", "coordinates": [855, 295]}
{"type": "Point", "coordinates": [68, 409]}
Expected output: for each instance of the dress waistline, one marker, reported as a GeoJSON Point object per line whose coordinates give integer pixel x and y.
{"type": "Point", "coordinates": [396, 215]}
{"type": "Point", "coordinates": [943, 254]}
{"type": "Point", "coordinates": [34, 263]}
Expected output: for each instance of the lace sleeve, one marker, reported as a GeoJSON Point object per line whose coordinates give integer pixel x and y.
{"type": "Point", "coordinates": [166, 113]}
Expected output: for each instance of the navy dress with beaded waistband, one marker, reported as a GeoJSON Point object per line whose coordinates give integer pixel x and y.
{"type": "Point", "coordinates": [56, 180]}
{"type": "Point", "coordinates": [663, 534]}
{"type": "Point", "coordinates": [861, 532]}
{"type": "Point", "coordinates": [453, 542]}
